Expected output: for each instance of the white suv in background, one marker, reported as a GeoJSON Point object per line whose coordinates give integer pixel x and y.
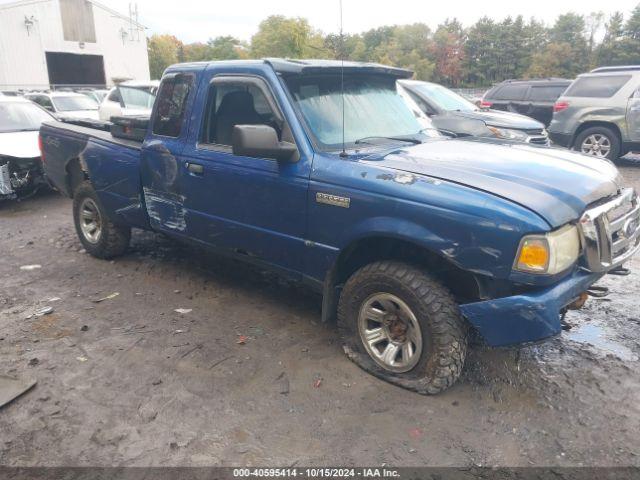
{"type": "Point", "coordinates": [129, 98]}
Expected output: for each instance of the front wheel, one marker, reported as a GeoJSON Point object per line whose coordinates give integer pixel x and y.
{"type": "Point", "coordinates": [401, 325]}
{"type": "Point", "coordinates": [601, 142]}
{"type": "Point", "coordinates": [98, 234]}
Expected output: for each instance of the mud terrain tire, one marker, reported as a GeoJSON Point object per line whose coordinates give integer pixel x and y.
{"type": "Point", "coordinates": [443, 329]}
{"type": "Point", "coordinates": [111, 239]}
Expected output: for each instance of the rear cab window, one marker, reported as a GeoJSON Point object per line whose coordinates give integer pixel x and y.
{"type": "Point", "coordinates": [172, 102]}
{"type": "Point", "coordinates": [601, 86]}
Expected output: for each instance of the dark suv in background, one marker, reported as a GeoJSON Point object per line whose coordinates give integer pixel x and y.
{"type": "Point", "coordinates": [533, 98]}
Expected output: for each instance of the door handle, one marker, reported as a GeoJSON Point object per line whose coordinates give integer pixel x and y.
{"type": "Point", "coordinates": [195, 168]}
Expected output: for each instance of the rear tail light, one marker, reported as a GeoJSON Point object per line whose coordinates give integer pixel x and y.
{"type": "Point", "coordinates": [560, 106]}
{"type": "Point", "coordinates": [485, 104]}
{"type": "Point", "coordinates": [40, 146]}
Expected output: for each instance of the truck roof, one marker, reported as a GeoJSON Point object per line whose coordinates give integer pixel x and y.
{"type": "Point", "coordinates": [286, 66]}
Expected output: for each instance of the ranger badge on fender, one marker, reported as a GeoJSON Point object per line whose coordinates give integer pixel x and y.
{"type": "Point", "coordinates": [334, 200]}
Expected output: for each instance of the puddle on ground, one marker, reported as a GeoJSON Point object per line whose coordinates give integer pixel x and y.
{"type": "Point", "coordinates": [595, 336]}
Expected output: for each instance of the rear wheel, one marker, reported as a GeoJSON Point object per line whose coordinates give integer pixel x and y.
{"type": "Point", "coordinates": [99, 235]}
{"type": "Point", "coordinates": [601, 142]}
{"type": "Point", "coordinates": [403, 326]}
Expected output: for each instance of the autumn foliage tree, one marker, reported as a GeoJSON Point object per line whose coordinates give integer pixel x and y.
{"type": "Point", "coordinates": [481, 54]}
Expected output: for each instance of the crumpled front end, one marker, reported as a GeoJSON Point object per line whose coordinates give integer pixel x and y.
{"type": "Point", "coordinates": [19, 176]}
{"type": "Point", "coordinates": [528, 317]}
{"type": "Point", "coordinates": [610, 236]}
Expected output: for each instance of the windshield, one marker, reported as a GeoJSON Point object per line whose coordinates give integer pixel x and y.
{"type": "Point", "coordinates": [21, 116]}
{"type": "Point", "coordinates": [71, 103]}
{"type": "Point", "coordinates": [443, 98]}
{"type": "Point", "coordinates": [100, 94]}
{"type": "Point", "coordinates": [372, 109]}
{"type": "Point", "coordinates": [137, 97]}
{"type": "Point", "coordinates": [97, 95]}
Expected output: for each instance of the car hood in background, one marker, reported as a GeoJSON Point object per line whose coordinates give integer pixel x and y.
{"type": "Point", "coordinates": [500, 119]}
{"type": "Point", "coordinates": [556, 184]}
{"type": "Point", "coordinates": [136, 112]}
{"type": "Point", "coordinates": [91, 114]}
{"type": "Point", "coordinates": [19, 144]}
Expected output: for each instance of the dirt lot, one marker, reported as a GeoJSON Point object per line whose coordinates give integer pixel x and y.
{"type": "Point", "coordinates": [129, 381]}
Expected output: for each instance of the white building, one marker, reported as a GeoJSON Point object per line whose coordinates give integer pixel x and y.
{"type": "Point", "coordinates": [68, 42]}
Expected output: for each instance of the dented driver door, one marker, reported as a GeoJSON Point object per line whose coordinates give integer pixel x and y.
{"type": "Point", "coordinates": [161, 160]}
{"type": "Point", "coordinates": [254, 207]}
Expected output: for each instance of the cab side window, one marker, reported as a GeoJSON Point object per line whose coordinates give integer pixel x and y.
{"type": "Point", "coordinates": [237, 103]}
{"type": "Point", "coordinates": [172, 102]}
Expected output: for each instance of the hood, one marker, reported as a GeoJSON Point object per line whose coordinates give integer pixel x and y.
{"type": "Point", "coordinates": [556, 184]}
{"type": "Point", "coordinates": [496, 118]}
{"type": "Point", "coordinates": [91, 114]}
{"type": "Point", "coordinates": [19, 144]}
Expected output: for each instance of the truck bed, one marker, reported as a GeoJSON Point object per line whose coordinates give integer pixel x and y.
{"type": "Point", "coordinates": [73, 153]}
{"type": "Point", "coordinates": [94, 133]}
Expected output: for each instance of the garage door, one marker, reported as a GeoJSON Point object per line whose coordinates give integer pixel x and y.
{"type": "Point", "coordinates": [75, 69]}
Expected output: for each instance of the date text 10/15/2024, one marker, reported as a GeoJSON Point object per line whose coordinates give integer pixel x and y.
{"type": "Point", "coordinates": [315, 473]}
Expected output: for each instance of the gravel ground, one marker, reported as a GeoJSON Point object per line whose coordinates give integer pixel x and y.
{"type": "Point", "coordinates": [129, 381]}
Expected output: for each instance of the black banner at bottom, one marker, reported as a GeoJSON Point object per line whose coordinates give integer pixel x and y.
{"type": "Point", "coordinates": [304, 473]}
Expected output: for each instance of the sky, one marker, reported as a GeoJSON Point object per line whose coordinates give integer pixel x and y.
{"type": "Point", "coordinates": [199, 20]}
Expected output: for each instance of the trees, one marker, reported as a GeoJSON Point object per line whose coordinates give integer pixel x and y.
{"type": "Point", "coordinates": [447, 50]}
{"type": "Point", "coordinates": [164, 50]}
{"type": "Point", "coordinates": [279, 36]}
{"type": "Point", "coordinates": [482, 54]}
{"type": "Point", "coordinates": [554, 61]}
{"type": "Point", "coordinates": [194, 52]}
{"type": "Point", "coordinates": [610, 51]}
{"type": "Point", "coordinates": [630, 42]}
{"type": "Point", "coordinates": [227, 48]}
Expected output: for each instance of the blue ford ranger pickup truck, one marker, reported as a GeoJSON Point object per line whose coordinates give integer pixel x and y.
{"type": "Point", "coordinates": [414, 239]}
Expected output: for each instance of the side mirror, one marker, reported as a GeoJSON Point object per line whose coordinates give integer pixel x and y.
{"type": "Point", "coordinates": [261, 141]}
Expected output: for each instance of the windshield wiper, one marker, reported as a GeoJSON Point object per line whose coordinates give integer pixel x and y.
{"type": "Point", "coordinates": [415, 141]}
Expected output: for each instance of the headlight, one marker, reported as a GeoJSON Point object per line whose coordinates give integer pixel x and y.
{"type": "Point", "coordinates": [508, 134]}
{"type": "Point", "coordinates": [550, 253]}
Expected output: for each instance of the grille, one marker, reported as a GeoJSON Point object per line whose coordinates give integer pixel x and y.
{"type": "Point", "coordinates": [537, 136]}
{"type": "Point", "coordinates": [539, 140]}
{"type": "Point", "coordinates": [611, 231]}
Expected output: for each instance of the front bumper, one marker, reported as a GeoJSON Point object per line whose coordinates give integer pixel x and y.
{"type": "Point", "coordinates": [562, 139]}
{"type": "Point", "coordinates": [528, 317]}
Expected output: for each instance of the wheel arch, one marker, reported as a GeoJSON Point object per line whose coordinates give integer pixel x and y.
{"type": "Point", "coordinates": [595, 123]}
{"type": "Point", "coordinates": [76, 174]}
{"type": "Point", "coordinates": [378, 247]}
